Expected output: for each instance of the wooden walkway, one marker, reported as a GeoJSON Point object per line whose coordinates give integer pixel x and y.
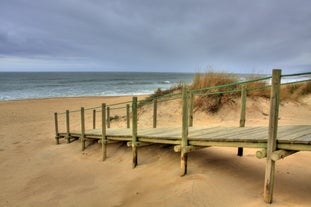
{"type": "Point", "coordinates": [295, 137]}
{"type": "Point", "coordinates": [274, 142]}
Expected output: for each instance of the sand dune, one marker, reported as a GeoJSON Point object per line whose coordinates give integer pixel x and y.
{"type": "Point", "coordinates": [36, 172]}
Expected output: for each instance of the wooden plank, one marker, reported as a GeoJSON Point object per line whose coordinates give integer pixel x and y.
{"type": "Point", "coordinates": [134, 131]}
{"type": "Point", "coordinates": [273, 129]}
{"type": "Point", "coordinates": [293, 132]}
{"type": "Point", "coordinates": [68, 126]}
{"type": "Point", "coordinates": [216, 134]}
{"type": "Point", "coordinates": [119, 138]}
{"type": "Point", "coordinates": [228, 144]}
{"type": "Point", "coordinates": [191, 106]}
{"type": "Point", "coordinates": [184, 136]}
{"type": "Point", "coordinates": [243, 106]}
{"type": "Point", "coordinates": [56, 128]}
{"type": "Point", "coordinates": [94, 119]}
{"type": "Point", "coordinates": [104, 133]}
{"type": "Point", "coordinates": [242, 114]}
{"type": "Point", "coordinates": [155, 112]}
{"type": "Point", "coordinates": [108, 117]}
{"type": "Point", "coordinates": [82, 129]}
{"type": "Point", "coordinates": [159, 141]}
{"type": "Point", "coordinates": [297, 147]}
{"type": "Point", "coordinates": [127, 115]}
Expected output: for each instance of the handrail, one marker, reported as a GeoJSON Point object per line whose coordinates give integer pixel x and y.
{"type": "Point", "coordinates": [204, 89]}
{"type": "Point", "coordinates": [231, 84]}
{"type": "Point", "coordinates": [296, 74]}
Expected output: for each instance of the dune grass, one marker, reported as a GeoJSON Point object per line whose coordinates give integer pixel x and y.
{"type": "Point", "coordinates": [205, 100]}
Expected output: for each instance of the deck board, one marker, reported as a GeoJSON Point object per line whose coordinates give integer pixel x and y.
{"type": "Point", "coordinates": [291, 134]}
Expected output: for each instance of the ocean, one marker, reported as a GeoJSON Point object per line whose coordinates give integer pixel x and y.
{"type": "Point", "coordinates": [32, 85]}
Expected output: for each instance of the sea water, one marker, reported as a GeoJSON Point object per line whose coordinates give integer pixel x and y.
{"type": "Point", "coordinates": [30, 85]}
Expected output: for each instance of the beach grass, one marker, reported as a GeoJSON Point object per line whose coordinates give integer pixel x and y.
{"type": "Point", "coordinates": [207, 100]}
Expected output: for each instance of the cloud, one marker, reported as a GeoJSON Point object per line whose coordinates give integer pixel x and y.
{"type": "Point", "coordinates": [174, 35]}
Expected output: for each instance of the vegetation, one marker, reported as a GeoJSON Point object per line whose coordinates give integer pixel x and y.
{"type": "Point", "coordinates": [212, 99]}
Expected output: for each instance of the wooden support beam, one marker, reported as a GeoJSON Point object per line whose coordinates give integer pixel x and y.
{"type": "Point", "coordinates": [139, 144]}
{"type": "Point", "coordinates": [104, 137]}
{"type": "Point", "coordinates": [82, 129]}
{"type": "Point", "coordinates": [108, 142]}
{"type": "Point", "coordinates": [128, 116]}
{"type": "Point", "coordinates": [261, 153]}
{"type": "Point", "coordinates": [273, 129]}
{"type": "Point", "coordinates": [108, 117]}
{"type": "Point", "coordinates": [94, 119]}
{"type": "Point", "coordinates": [191, 106]}
{"type": "Point", "coordinates": [134, 131]}
{"type": "Point", "coordinates": [184, 137]}
{"type": "Point", "coordinates": [281, 154]}
{"type": "Point", "coordinates": [56, 128]}
{"type": "Point", "coordinates": [187, 149]}
{"type": "Point", "coordinates": [155, 112]}
{"type": "Point", "coordinates": [243, 114]}
{"type": "Point", "coordinates": [67, 126]}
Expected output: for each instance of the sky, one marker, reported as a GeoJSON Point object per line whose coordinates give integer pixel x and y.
{"type": "Point", "coordinates": [241, 36]}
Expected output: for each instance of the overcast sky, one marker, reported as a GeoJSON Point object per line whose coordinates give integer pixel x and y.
{"type": "Point", "coordinates": [155, 35]}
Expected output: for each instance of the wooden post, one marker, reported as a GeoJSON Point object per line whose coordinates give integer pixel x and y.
{"type": "Point", "coordinates": [128, 115]}
{"type": "Point", "coordinates": [191, 103]}
{"type": "Point", "coordinates": [67, 126]}
{"type": "Point", "coordinates": [134, 131]}
{"type": "Point", "coordinates": [82, 129]}
{"type": "Point", "coordinates": [94, 118]}
{"type": "Point", "coordinates": [261, 153]}
{"type": "Point", "coordinates": [155, 109]}
{"type": "Point", "coordinates": [243, 114]}
{"type": "Point", "coordinates": [56, 128]}
{"type": "Point", "coordinates": [184, 138]}
{"type": "Point", "coordinates": [108, 117]}
{"type": "Point", "coordinates": [273, 129]}
{"type": "Point", "coordinates": [104, 138]}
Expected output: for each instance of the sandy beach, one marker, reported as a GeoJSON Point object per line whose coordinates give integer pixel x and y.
{"type": "Point", "coordinates": [37, 172]}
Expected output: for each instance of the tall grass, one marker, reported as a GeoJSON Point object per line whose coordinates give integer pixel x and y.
{"type": "Point", "coordinates": [205, 100]}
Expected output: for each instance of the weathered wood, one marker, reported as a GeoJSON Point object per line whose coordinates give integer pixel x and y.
{"type": "Point", "coordinates": [228, 144]}
{"type": "Point", "coordinates": [134, 131]}
{"type": "Point", "coordinates": [191, 105]}
{"type": "Point", "coordinates": [109, 141]}
{"type": "Point", "coordinates": [243, 106]}
{"type": "Point", "coordinates": [243, 114]}
{"type": "Point", "coordinates": [155, 112]}
{"type": "Point", "coordinates": [127, 115]}
{"type": "Point", "coordinates": [108, 117]}
{"type": "Point", "coordinates": [297, 147]}
{"type": "Point", "coordinates": [94, 119]}
{"type": "Point", "coordinates": [56, 128]}
{"type": "Point", "coordinates": [82, 129]}
{"type": "Point", "coordinates": [103, 131]}
{"type": "Point", "coordinates": [187, 149]}
{"type": "Point", "coordinates": [159, 141]}
{"type": "Point", "coordinates": [67, 126]}
{"type": "Point", "coordinates": [261, 153]}
{"type": "Point", "coordinates": [281, 154]}
{"type": "Point", "coordinates": [139, 144]}
{"type": "Point", "coordinates": [184, 137]}
{"type": "Point", "coordinates": [273, 128]}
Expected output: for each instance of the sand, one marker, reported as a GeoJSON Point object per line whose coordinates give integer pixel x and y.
{"type": "Point", "coordinates": [36, 172]}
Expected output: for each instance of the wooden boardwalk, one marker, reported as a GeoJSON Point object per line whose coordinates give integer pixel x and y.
{"type": "Point", "coordinates": [274, 142]}
{"type": "Point", "coordinates": [294, 137]}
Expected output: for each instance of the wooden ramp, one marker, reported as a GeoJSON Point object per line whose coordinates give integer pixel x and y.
{"type": "Point", "coordinates": [275, 142]}
{"type": "Point", "coordinates": [294, 137]}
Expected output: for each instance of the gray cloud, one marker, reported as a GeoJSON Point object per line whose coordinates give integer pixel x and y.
{"type": "Point", "coordinates": [176, 35]}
